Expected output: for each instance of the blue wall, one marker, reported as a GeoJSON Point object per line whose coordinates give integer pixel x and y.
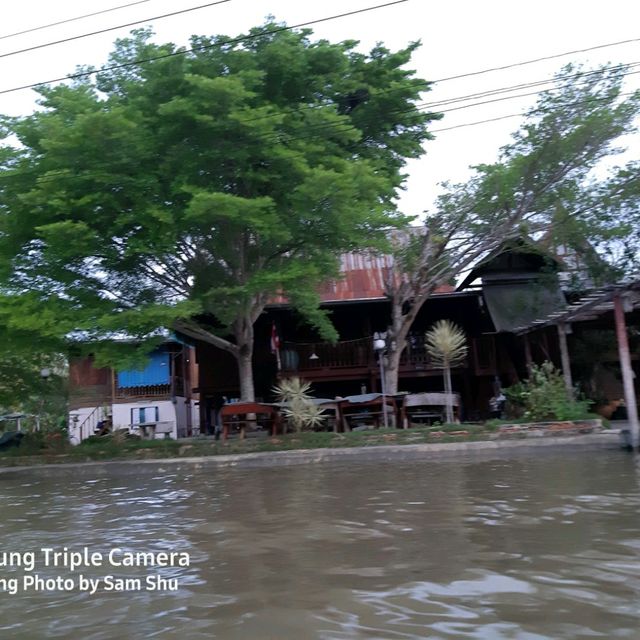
{"type": "Point", "coordinates": [156, 372]}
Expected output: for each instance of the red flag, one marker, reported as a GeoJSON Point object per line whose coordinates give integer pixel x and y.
{"type": "Point", "coordinates": [275, 339]}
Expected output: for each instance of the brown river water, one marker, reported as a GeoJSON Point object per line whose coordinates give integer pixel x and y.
{"type": "Point", "coordinates": [522, 548]}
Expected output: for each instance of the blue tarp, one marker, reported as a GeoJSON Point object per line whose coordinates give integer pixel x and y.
{"type": "Point", "coordinates": [156, 372]}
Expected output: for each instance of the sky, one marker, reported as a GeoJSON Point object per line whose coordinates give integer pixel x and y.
{"type": "Point", "coordinates": [458, 37]}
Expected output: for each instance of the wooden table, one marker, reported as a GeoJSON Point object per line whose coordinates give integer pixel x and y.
{"type": "Point", "coordinates": [367, 407]}
{"type": "Point", "coordinates": [241, 414]}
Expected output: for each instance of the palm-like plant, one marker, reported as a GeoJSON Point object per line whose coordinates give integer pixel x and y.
{"type": "Point", "coordinates": [300, 410]}
{"type": "Point", "coordinates": [446, 343]}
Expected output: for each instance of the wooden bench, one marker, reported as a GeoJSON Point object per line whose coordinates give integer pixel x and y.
{"type": "Point", "coordinates": [428, 406]}
{"type": "Point", "coordinates": [238, 414]}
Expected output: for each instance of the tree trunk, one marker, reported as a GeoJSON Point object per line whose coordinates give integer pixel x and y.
{"type": "Point", "coordinates": [397, 341]}
{"type": "Point", "coordinates": [245, 373]}
{"type": "Point", "coordinates": [242, 350]}
{"type": "Point", "coordinates": [449, 394]}
{"type": "Point", "coordinates": [391, 371]}
{"type": "Point", "coordinates": [244, 341]}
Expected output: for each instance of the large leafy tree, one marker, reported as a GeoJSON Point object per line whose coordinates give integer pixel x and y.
{"type": "Point", "coordinates": [187, 191]}
{"type": "Point", "coordinates": [33, 371]}
{"type": "Point", "coordinates": [547, 182]}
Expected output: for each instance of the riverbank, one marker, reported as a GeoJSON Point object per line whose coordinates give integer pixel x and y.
{"type": "Point", "coordinates": [297, 449]}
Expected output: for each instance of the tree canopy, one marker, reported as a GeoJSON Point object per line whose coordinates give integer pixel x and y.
{"type": "Point", "coordinates": [188, 191]}
{"type": "Point", "coordinates": [33, 371]}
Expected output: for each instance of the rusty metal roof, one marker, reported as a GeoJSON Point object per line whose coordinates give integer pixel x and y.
{"type": "Point", "coordinates": [363, 277]}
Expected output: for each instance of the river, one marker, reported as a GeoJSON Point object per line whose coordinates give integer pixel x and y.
{"type": "Point", "coordinates": [525, 548]}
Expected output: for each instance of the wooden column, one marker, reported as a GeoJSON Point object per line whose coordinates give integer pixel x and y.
{"type": "Point", "coordinates": [527, 352]}
{"type": "Point", "coordinates": [566, 363]}
{"type": "Point", "coordinates": [627, 371]}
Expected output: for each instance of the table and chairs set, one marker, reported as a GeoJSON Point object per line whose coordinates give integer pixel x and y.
{"type": "Point", "coordinates": [355, 412]}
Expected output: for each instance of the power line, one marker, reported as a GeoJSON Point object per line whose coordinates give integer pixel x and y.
{"type": "Point", "coordinates": [205, 47]}
{"type": "Point", "coordinates": [533, 61]}
{"type": "Point", "coordinates": [473, 124]}
{"type": "Point", "coordinates": [63, 174]}
{"type": "Point", "coordinates": [536, 83]}
{"type": "Point", "coordinates": [515, 115]}
{"type": "Point", "coordinates": [509, 66]}
{"type": "Point", "coordinates": [520, 95]}
{"type": "Point", "coordinates": [471, 96]}
{"type": "Point", "coordinates": [344, 126]}
{"type": "Point", "coordinates": [75, 19]}
{"type": "Point", "coordinates": [100, 31]}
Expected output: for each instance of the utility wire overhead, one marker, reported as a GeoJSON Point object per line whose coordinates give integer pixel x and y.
{"type": "Point", "coordinates": [473, 96]}
{"type": "Point", "coordinates": [100, 31]}
{"type": "Point", "coordinates": [182, 52]}
{"type": "Point", "coordinates": [536, 83]}
{"type": "Point", "coordinates": [65, 175]}
{"type": "Point", "coordinates": [501, 99]}
{"type": "Point", "coordinates": [508, 66]}
{"type": "Point", "coordinates": [203, 47]}
{"type": "Point", "coordinates": [510, 115]}
{"type": "Point", "coordinates": [344, 126]}
{"type": "Point", "coordinates": [74, 19]}
{"type": "Point", "coordinates": [534, 60]}
{"type": "Point", "coordinates": [473, 124]}
{"type": "Point", "coordinates": [340, 127]}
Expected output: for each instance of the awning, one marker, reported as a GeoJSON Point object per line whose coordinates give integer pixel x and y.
{"type": "Point", "coordinates": [588, 307]}
{"type": "Point", "coordinates": [512, 306]}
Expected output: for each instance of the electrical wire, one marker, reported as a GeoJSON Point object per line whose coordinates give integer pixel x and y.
{"type": "Point", "coordinates": [63, 174]}
{"type": "Point", "coordinates": [100, 31]}
{"type": "Point", "coordinates": [472, 96]}
{"type": "Point", "coordinates": [74, 19]}
{"type": "Point", "coordinates": [181, 52]}
{"type": "Point", "coordinates": [344, 126]}
{"type": "Point", "coordinates": [473, 124]}
{"type": "Point", "coordinates": [513, 65]}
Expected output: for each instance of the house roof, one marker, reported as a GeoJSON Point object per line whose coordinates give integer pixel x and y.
{"type": "Point", "coordinates": [363, 277]}
{"type": "Point", "coordinates": [362, 280]}
{"type": "Point", "coordinates": [531, 256]}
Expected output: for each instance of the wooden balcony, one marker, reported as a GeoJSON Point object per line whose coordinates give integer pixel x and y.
{"type": "Point", "coordinates": [354, 358]}
{"type": "Point", "coordinates": [124, 394]}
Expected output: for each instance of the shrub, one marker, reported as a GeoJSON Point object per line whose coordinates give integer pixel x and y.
{"type": "Point", "coordinates": [299, 409]}
{"type": "Point", "coordinates": [544, 396]}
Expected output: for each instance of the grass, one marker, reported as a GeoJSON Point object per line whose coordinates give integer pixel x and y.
{"type": "Point", "coordinates": [38, 448]}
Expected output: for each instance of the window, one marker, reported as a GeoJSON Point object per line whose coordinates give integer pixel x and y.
{"type": "Point", "coordinates": [142, 415]}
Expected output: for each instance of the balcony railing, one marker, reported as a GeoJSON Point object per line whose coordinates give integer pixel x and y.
{"type": "Point", "coordinates": [310, 356]}
{"type": "Point", "coordinates": [350, 354]}
{"type": "Point", "coordinates": [151, 390]}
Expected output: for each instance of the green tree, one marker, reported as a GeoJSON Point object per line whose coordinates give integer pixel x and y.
{"type": "Point", "coordinates": [543, 182]}
{"type": "Point", "coordinates": [187, 191]}
{"type": "Point", "coordinates": [33, 375]}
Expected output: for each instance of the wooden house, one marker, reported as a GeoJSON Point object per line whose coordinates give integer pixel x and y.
{"type": "Point", "coordinates": [154, 401]}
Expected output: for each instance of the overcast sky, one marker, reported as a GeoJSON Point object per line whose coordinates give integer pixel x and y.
{"type": "Point", "coordinates": [458, 36]}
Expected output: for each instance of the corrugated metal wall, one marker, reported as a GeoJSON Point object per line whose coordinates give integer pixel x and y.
{"type": "Point", "coordinates": [156, 372]}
